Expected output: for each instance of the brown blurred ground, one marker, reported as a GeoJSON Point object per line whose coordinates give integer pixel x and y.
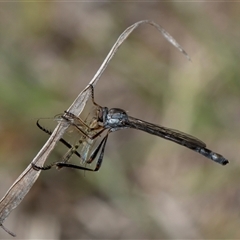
{"type": "Point", "coordinates": [147, 188]}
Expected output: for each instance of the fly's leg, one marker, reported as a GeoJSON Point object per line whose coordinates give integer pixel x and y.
{"type": "Point", "coordinates": [72, 150]}
{"type": "Point", "coordinates": [66, 158]}
{"type": "Point", "coordinates": [68, 145]}
{"type": "Point", "coordinates": [79, 129]}
{"type": "Point", "coordinates": [92, 157]}
{"type": "Point", "coordinates": [92, 95]}
{"type": "Point", "coordinates": [78, 118]}
{"type": "Point", "coordinates": [100, 147]}
{"type": "Point", "coordinates": [94, 154]}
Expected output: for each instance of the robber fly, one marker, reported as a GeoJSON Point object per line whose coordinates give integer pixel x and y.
{"type": "Point", "coordinates": [111, 120]}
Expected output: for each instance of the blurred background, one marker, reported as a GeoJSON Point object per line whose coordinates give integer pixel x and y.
{"type": "Point", "coordinates": [147, 188]}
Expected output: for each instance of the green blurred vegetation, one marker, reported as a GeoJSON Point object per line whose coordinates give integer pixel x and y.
{"type": "Point", "coordinates": [147, 188]}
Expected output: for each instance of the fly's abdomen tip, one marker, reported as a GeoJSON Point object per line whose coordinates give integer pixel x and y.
{"type": "Point", "coordinates": [224, 162]}
{"type": "Point", "coordinates": [220, 159]}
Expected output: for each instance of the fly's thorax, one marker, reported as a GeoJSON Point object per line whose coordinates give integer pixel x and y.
{"type": "Point", "coordinates": [114, 118]}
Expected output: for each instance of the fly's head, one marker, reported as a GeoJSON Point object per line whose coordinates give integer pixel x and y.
{"type": "Point", "coordinates": [113, 118]}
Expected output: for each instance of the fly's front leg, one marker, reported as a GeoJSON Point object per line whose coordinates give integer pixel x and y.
{"type": "Point", "coordinates": [92, 95]}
